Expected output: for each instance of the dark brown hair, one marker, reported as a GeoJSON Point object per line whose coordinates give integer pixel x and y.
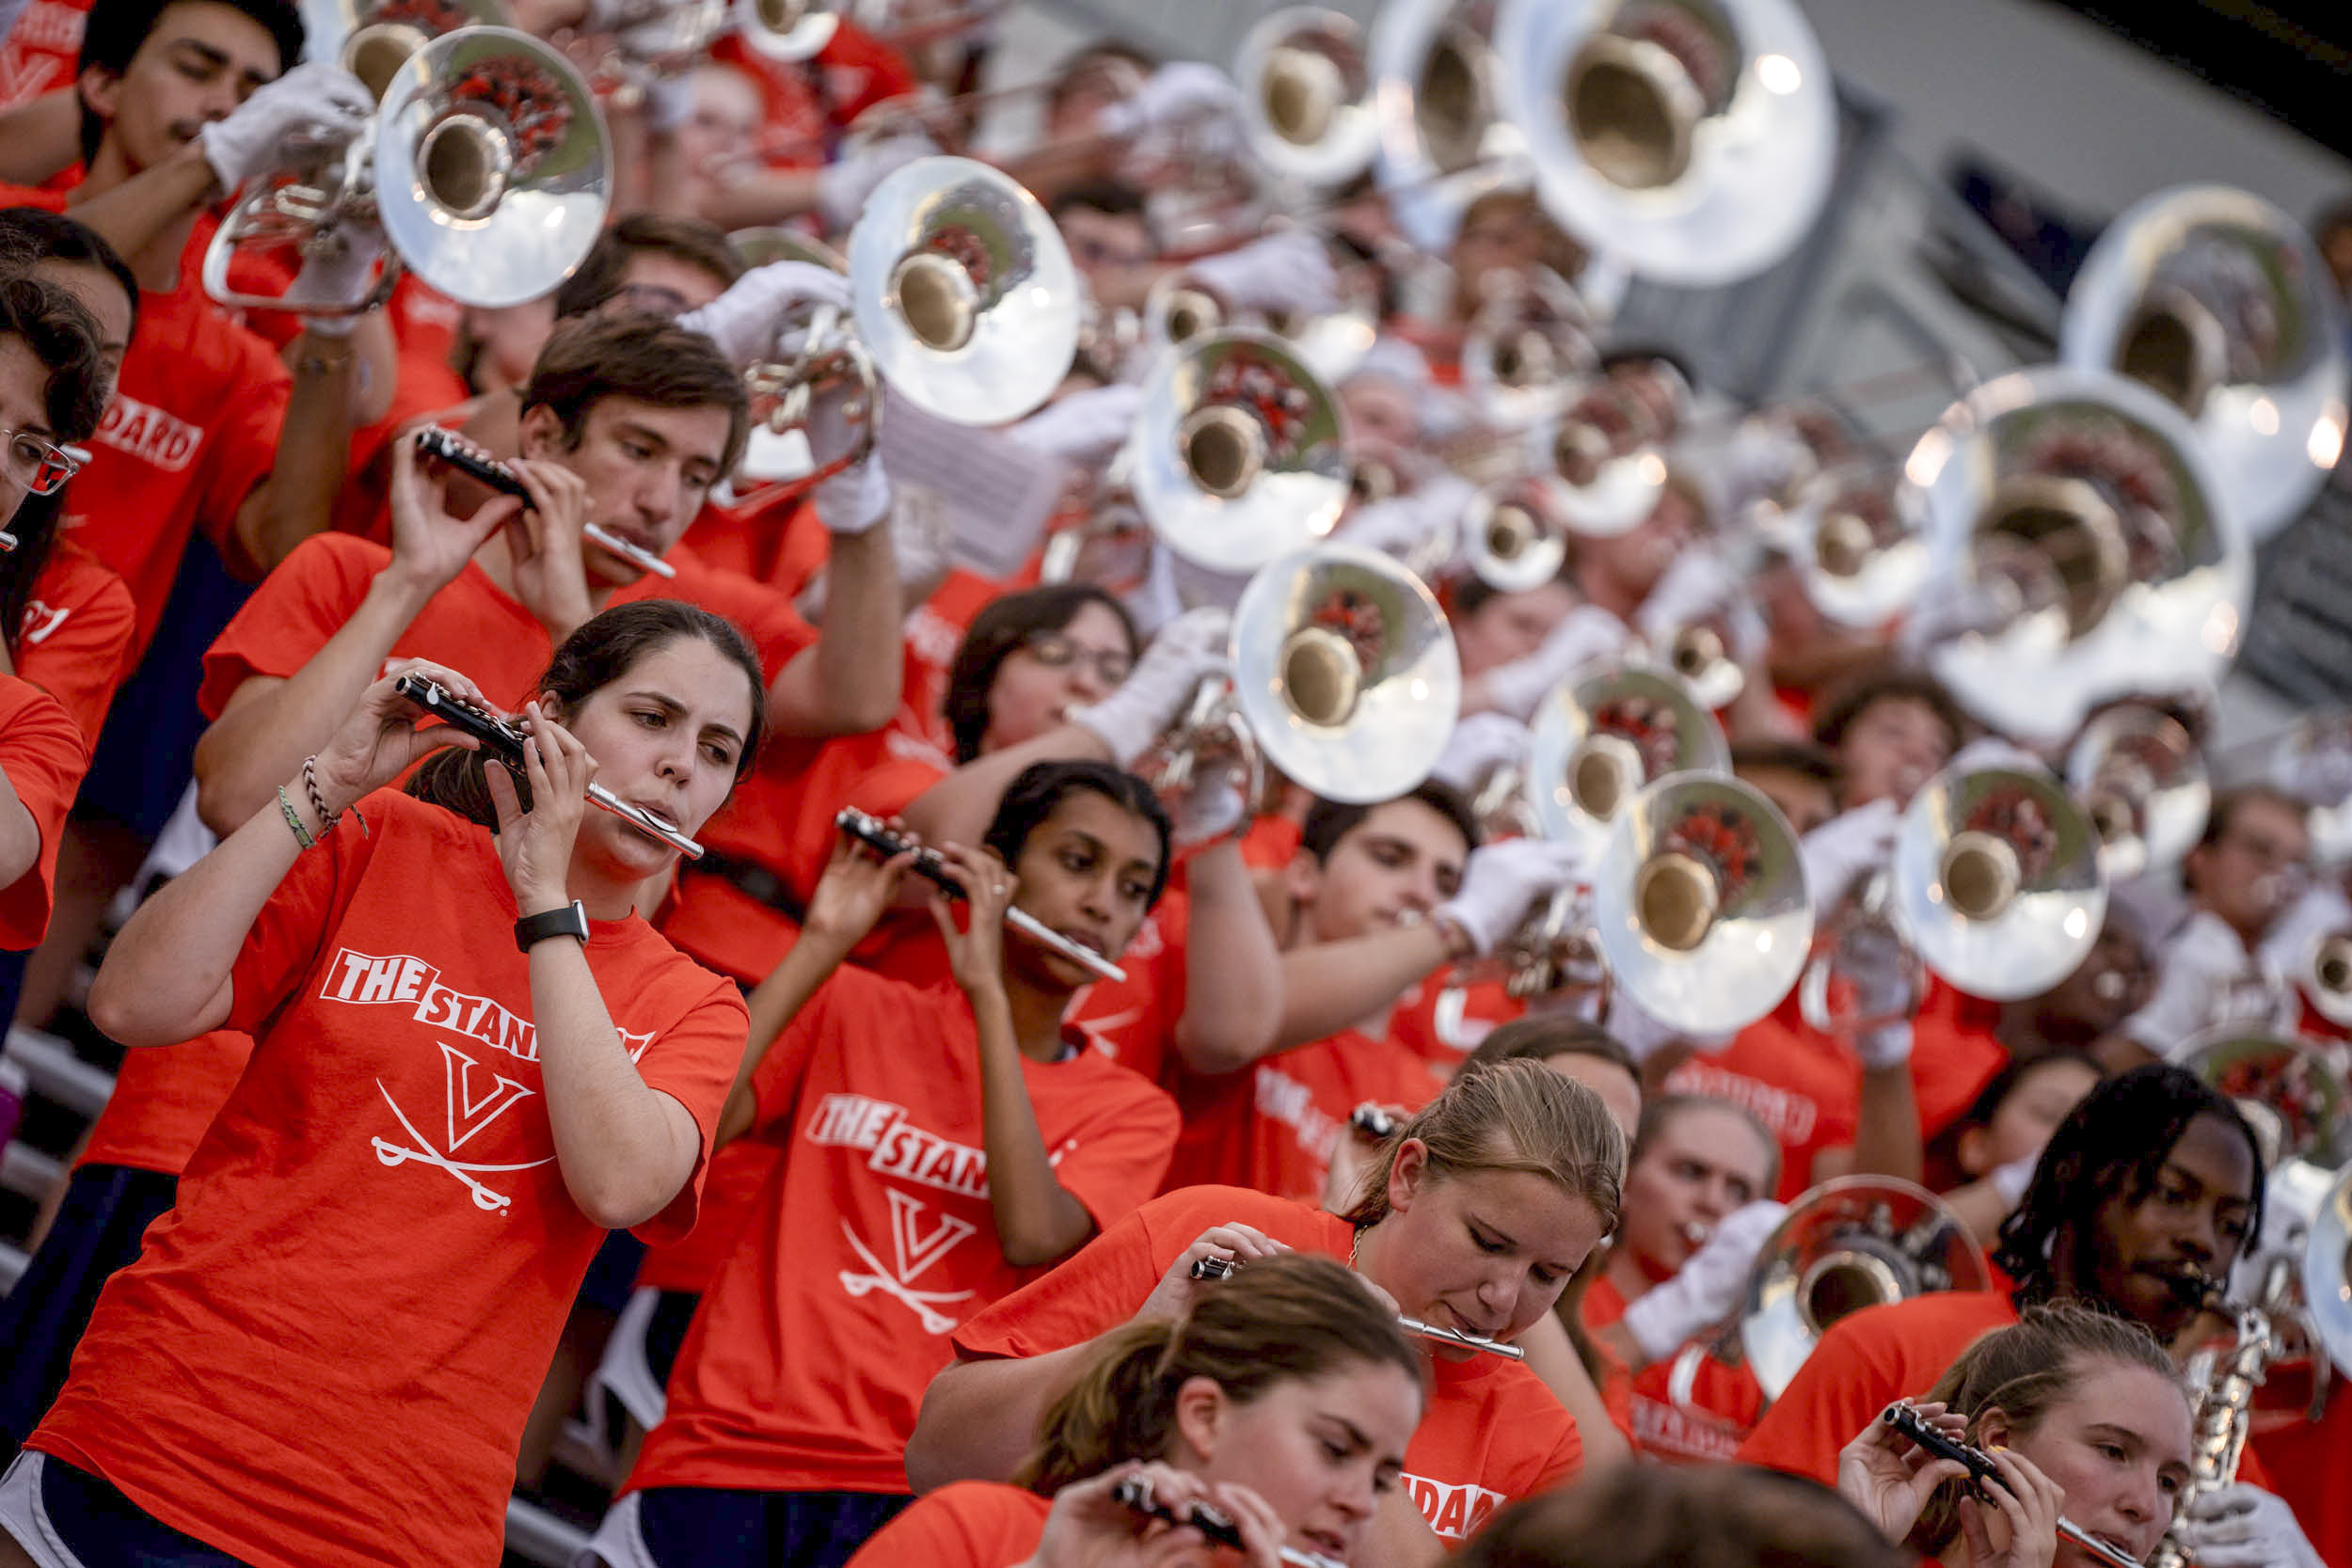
{"type": "Point", "coordinates": [1287, 1319]}
{"type": "Point", "coordinates": [1541, 1036]}
{"type": "Point", "coordinates": [1003, 625]}
{"type": "Point", "coordinates": [1329, 821]}
{"type": "Point", "coordinates": [598, 277]}
{"type": "Point", "coordinates": [2222, 816]}
{"type": "Point", "coordinates": [1886, 683]}
{"type": "Point", "coordinates": [1668, 1516]}
{"type": "Point", "coordinates": [2023, 1372]}
{"type": "Point", "coordinates": [63, 338]}
{"type": "Point", "coordinates": [1511, 1117]}
{"type": "Point", "coordinates": [604, 649]}
{"type": "Point", "coordinates": [1660, 1114]}
{"type": "Point", "coordinates": [641, 357]}
{"type": "Point", "coordinates": [1800, 758]}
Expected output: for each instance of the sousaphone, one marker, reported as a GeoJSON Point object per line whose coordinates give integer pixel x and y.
{"type": "Point", "coordinates": [373, 39]}
{"type": "Point", "coordinates": [1692, 139]}
{"type": "Point", "coordinates": [962, 291]}
{"type": "Point", "coordinates": [1605, 732]}
{"type": "Point", "coordinates": [1306, 87]}
{"type": "Point", "coordinates": [2081, 548]}
{"type": "Point", "coordinates": [2220, 302]}
{"type": "Point", "coordinates": [1238, 456]}
{"type": "Point", "coordinates": [1700, 904]}
{"type": "Point", "coordinates": [1443, 139]}
{"type": "Point", "coordinates": [2141, 780]}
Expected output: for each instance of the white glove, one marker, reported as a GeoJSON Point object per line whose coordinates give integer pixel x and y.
{"type": "Point", "coordinates": [1288, 271]}
{"type": "Point", "coordinates": [1480, 744]}
{"type": "Point", "coordinates": [1847, 848]}
{"type": "Point", "coordinates": [1644, 1035]}
{"type": "Point", "coordinates": [858, 497]}
{"type": "Point", "coordinates": [1502, 881]}
{"type": "Point", "coordinates": [1084, 428]}
{"type": "Point", "coordinates": [1189, 648]}
{"type": "Point", "coordinates": [748, 321]}
{"type": "Point", "coordinates": [315, 99]}
{"type": "Point", "coordinates": [1710, 1288]}
{"type": "Point", "coordinates": [1588, 633]}
{"type": "Point", "coordinates": [2010, 1181]}
{"type": "Point", "coordinates": [843, 185]}
{"type": "Point", "coordinates": [2241, 1526]}
{"type": "Point", "coordinates": [1403, 526]}
{"type": "Point", "coordinates": [339, 268]}
{"type": "Point", "coordinates": [1173, 93]}
{"type": "Point", "coordinates": [2321, 909]}
{"type": "Point", "coordinates": [1699, 587]}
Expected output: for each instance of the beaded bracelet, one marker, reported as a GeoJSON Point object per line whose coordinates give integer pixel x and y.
{"type": "Point", "coordinates": [318, 801]}
{"type": "Point", "coordinates": [294, 821]}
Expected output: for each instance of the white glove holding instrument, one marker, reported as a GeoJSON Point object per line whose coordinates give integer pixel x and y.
{"type": "Point", "coordinates": [313, 99]}
{"type": "Point", "coordinates": [1188, 648]}
{"type": "Point", "coordinates": [843, 185]}
{"type": "Point", "coordinates": [1479, 745]}
{"type": "Point", "coordinates": [1518, 688]}
{"type": "Point", "coordinates": [1502, 881]}
{"type": "Point", "coordinates": [1085, 428]}
{"type": "Point", "coordinates": [1172, 94]}
{"type": "Point", "coordinates": [1847, 848]}
{"type": "Point", "coordinates": [1709, 1289]}
{"type": "Point", "coordinates": [1288, 271]}
{"type": "Point", "coordinates": [748, 321]}
{"type": "Point", "coordinates": [2240, 1526]}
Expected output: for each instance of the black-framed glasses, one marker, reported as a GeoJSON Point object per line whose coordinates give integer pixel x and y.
{"type": "Point", "coordinates": [40, 466]}
{"type": "Point", "coordinates": [1058, 652]}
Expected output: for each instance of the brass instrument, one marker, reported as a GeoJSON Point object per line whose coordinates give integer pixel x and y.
{"type": "Point", "coordinates": [1611, 729]}
{"type": "Point", "coordinates": [2225, 1382]}
{"type": "Point", "coordinates": [1306, 84]}
{"type": "Point", "coordinates": [1852, 1242]}
{"type": "Point", "coordinates": [2082, 550]}
{"type": "Point", "coordinates": [1529, 349]}
{"type": "Point", "coordinates": [787, 29]}
{"type": "Point", "coordinates": [373, 39]}
{"type": "Point", "coordinates": [1700, 904]}
{"type": "Point", "coordinates": [1695, 139]}
{"type": "Point", "coordinates": [486, 170]}
{"type": "Point", "coordinates": [2139, 776]}
{"type": "Point", "coordinates": [1512, 537]}
{"type": "Point", "coordinates": [1238, 456]}
{"type": "Point", "coordinates": [2220, 303]}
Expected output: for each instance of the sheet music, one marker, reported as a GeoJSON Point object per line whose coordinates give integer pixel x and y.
{"type": "Point", "coordinates": [993, 493]}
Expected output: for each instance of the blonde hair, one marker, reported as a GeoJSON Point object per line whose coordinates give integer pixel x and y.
{"type": "Point", "coordinates": [1514, 1115]}
{"type": "Point", "coordinates": [2023, 1372]}
{"type": "Point", "coordinates": [1292, 1317]}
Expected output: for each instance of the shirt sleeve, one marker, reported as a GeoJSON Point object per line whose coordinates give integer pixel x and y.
{"type": "Point", "coordinates": [1120, 1160]}
{"type": "Point", "coordinates": [75, 641]}
{"type": "Point", "coordinates": [1096, 1289]}
{"type": "Point", "coordinates": [1838, 1392]}
{"type": "Point", "coordinates": [289, 616]}
{"type": "Point", "coordinates": [968, 1525]}
{"type": "Point", "coordinates": [44, 753]}
{"type": "Point", "coordinates": [245, 451]}
{"type": "Point", "coordinates": [694, 1064]}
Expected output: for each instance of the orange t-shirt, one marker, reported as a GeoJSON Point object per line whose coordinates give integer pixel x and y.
{"type": "Point", "coordinates": [75, 643]}
{"type": "Point", "coordinates": [1273, 1124]}
{"type": "Point", "coordinates": [2307, 1463]}
{"type": "Point", "coordinates": [192, 430]}
{"type": "Point", "coordinates": [40, 52]}
{"type": "Point", "coordinates": [874, 1237]}
{"type": "Point", "coordinates": [1442, 1024]}
{"type": "Point", "coordinates": [970, 1524]}
{"type": "Point", "coordinates": [1492, 1432]}
{"type": "Point", "coordinates": [1806, 1087]}
{"type": "Point", "coordinates": [44, 753]}
{"type": "Point", "coordinates": [805, 102]}
{"type": "Point", "coordinates": [330, 1344]}
{"type": "Point", "coordinates": [1689, 1408]}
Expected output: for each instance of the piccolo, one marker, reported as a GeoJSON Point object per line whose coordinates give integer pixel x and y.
{"type": "Point", "coordinates": [1904, 1418]}
{"type": "Point", "coordinates": [1221, 1268]}
{"type": "Point", "coordinates": [459, 453]}
{"type": "Point", "coordinates": [1134, 1492]}
{"type": "Point", "coordinates": [505, 742]}
{"type": "Point", "coordinates": [871, 832]}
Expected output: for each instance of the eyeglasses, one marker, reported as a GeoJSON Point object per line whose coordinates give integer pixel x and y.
{"type": "Point", "coordinates": [39, 465]}
{"type": "Point", "coordinates": [1057, 652]}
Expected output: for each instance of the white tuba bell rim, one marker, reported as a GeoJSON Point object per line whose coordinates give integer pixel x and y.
{"type": "Point", "coordinates": [1429, 185]}
{"type": "Point", "coordinates": [1757, 171]}
{"type": "Point", "coordinates": [1997, 910]}
{"type": "Point", "coordinates": [2034, 677]}
{"type": "Point", "coordinates": [1699, 902]}
{"type": "Point", "coordinates": [1348, 728]}
{"type": "Point", "coordinates": [2298, 1102]}
{"type": "Point", "coordinates": [536, 210]}
{"type": "Point", "coordinates": [1340, 89]}
{"type": "Point", "coordinates": [1781, 1327]}
{"type": "Point", "coordinates": [2140, 762]}
{"type": "Point", "coordinates": [1271, 494]}
{"type": "Point", "coordinates": [1630, 719]}
{"type": "Point", "coordinates": [2272, 440]}
{"type": "Point", "coordinates": [372, 42]}
{"type": "Point", "coordinates": [2327, 1271]}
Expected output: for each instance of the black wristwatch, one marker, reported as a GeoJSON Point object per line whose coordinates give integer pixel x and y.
{"type": "Point", "coordinates": [569, 921]}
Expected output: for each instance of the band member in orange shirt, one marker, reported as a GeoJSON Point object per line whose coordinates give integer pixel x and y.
{"type": "Point", "coordinates": [1283, 1401]}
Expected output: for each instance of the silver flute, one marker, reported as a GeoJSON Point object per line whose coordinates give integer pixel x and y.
{"type": "Point", "coordinates": [1221, 1268]}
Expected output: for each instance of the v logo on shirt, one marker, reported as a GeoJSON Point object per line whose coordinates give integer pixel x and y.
{"type": "Point", "coordinates": [915, 1251]}
{"type": "Point", "coordinates": [474, 1105]}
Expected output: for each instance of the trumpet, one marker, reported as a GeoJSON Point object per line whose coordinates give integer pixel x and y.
{"type": "Point", "coordinates": [486, 170]}
{"type": "Point", "coordinates": [373, 39]}
{"type": "Point", "coordinates": [1512, 537]}
{"type": "Point", "coordinates": [1607, 731]}
{"type": "Point", "coordinates": [1850, 1243]}
{"type": "Point", "coordinates": [2141, 778]}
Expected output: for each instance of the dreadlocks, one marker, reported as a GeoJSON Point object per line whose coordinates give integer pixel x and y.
{"type": "Point", "coordinates": [2112, 1144]}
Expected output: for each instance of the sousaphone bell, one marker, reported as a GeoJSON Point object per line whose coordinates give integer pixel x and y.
{"type": "Point", "coordinates": [2141, 780]}
{"type": "Point", "coordinates": [1604, 733]}
{"type": "Point", "coordinates": [1443, 139]}
{"type": "Point", "coordinates": [2327, 1271]}
{"type": "Point", "coordinates": [787, 29]}
{"type": "Point", "coordinates": [1512, 537]}
{"type": "Point", "coordinates": [1238, 456]}
{"type": "Point", "coordinates": [964, 293]}
{"type": "Point", "coordinates": [486, 166]}
{"type": "Point", "coordinates": [373, 39]}
{"type": "Point", "coordinates": [2324, 976]}
{"type": "Point", "coordinates": [2298, 1105]}
{"type": "Point", "coordinates": [1852, 1242]}
{"type": "Point", "coordinates": [1699, 903]}
{"type": "Point", "coordinates": [1997, 882]}
{"type": "Point", "coordinates": [1306, 87]}
{"type": "Point", "coordinates": [1529, 350]}
{"type": "Point", "coordinates": [2082, 550]}
{"type": "Point", "coordinates": [2220, 303]}
{"type": "Point", "coordinates": [1692, 139]}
